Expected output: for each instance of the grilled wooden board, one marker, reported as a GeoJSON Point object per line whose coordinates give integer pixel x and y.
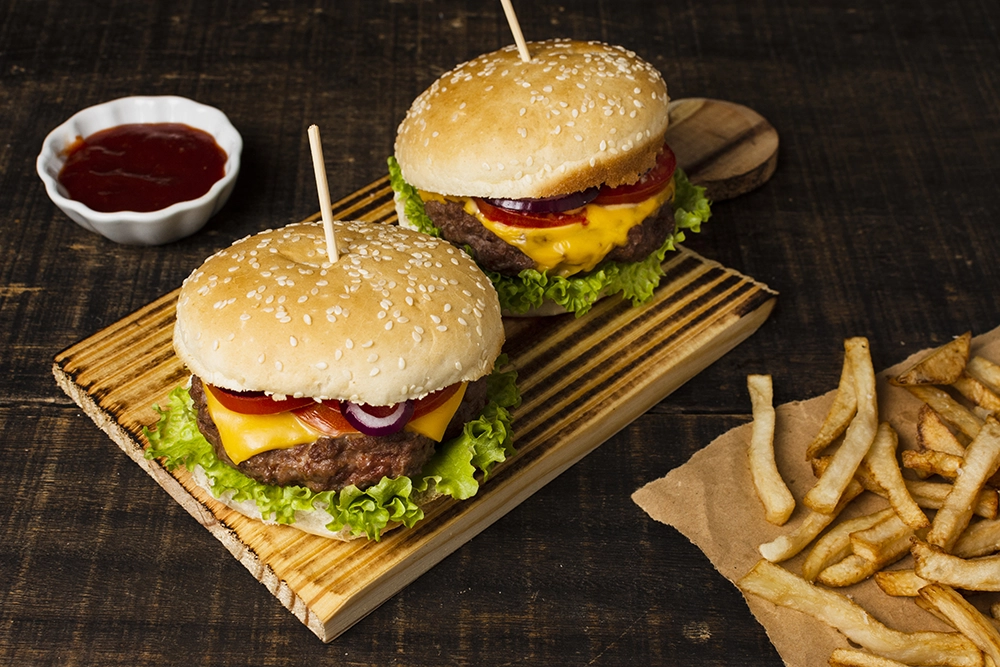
{"type": "Point", "coordinates": [582, 380]}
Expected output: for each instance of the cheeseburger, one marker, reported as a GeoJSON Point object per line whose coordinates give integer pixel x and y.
{"type": "Point", "coordinates": [338, 398]}
{"type": "Point", "coordinates": [553, 173]}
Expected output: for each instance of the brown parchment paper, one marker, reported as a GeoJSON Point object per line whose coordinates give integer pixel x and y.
{"type": "Point", "coordinates": [711, 501]}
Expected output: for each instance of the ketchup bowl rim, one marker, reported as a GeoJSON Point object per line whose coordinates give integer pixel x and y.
{"type": "Point", "coordinates": [165, 225]}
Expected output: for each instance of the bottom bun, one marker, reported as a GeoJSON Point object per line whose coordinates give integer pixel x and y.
{"type": "Point", "coordinates": [548, 309]}
{"type": "Point", "coordinates": [313, 521]}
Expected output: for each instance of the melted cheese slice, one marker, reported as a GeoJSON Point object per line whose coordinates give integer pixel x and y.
{"type": "Point", "coordinates": [576, 247]}
{"type": "Point", "coordinates": [244, 435]}
{"type": "Point", "coordinates": [434, 423]}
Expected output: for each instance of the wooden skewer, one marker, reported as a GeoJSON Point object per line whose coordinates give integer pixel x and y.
{"type": "Point", "coordinates": [319, 167]}
{"type": "Point", "coordinates": [515, 28]}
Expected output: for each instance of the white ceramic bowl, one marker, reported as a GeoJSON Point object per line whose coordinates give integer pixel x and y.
{"type": "Point", "coordinates": [153, 227]}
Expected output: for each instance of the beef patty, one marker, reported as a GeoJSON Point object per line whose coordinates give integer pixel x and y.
{"type": "Point", "coordinates": [331, 463]}
{"type": "Point", "coordinates": [494, 254]}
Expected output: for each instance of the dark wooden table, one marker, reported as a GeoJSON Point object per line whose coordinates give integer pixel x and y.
{"type": "Point", "coordinates": [881, 221]}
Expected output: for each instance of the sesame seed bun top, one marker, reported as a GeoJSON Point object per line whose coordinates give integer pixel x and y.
{"type": "Point", "coordinates": [579, 114]}
{"type": "Point", "coordinates": [399, 315]}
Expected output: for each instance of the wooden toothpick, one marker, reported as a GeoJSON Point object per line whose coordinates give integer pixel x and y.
{"type": "Point", "coordinates": [319, 167]}
{"type": "Point", "coordinates": [515, 28]}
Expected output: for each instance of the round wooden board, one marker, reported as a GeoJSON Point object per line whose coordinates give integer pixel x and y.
{"type": "Point", "coordinates": [726, 147]}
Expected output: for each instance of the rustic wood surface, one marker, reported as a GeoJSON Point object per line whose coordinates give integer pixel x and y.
{"type": "Point", "coordinates": [881, 220]}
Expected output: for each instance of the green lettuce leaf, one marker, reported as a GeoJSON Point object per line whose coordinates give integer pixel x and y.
{"type": "Point", "coordinates": [452, 471]}
{"type": "Point", "coordinates": [413, 205]}
{"type": "Point", "coordinates": [528, 290]}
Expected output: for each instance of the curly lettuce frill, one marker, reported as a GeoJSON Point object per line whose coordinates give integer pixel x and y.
{"type": "Point", "coordinates": [451, 471]}
{"type": "Point", "coordinates": [528, 290]}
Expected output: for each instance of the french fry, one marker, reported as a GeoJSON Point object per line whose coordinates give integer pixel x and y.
{"type": "Point", "coordinates": [965, 618]}
{"type": "Point", "coordinates": [835, 545]}
{"type": "Point", "coordinates": [931, 496]}
{"type": "Point", "coordinates": [786, 546]}
{"type": "Point", "coordinates": [771, 489]}
{"type": "Point", "coordinates": [854, 569]}
{"type": "Point", "coordinates": [933, 564]}
{"type": "Point", "coordinates": [777, 585]}
{"type": "Point", "coordinates": [985, 371]}
{"type": "Point", "coordinates": [884, 542]}
{"type": "Point", "coordinates": [977, 392]}
{"type": "Point", "coordinates": [900, 583]}
{"type": "Point", "coordinates": [826, 493]}
{"type": "Point", "coordinates": [840, 414]}
{"type": "Point", "coordinates": [982, 459]}
{"type": "Point", "coordinates": [941, 366]}
{"type": "Point", "coordinates": [950, 410]}
{"type": "Point", "coordinates": [873, 548]}
{"type": "Point", "coordinates": [849, 657]}
{"type": "Point", "coordinates": [979, 539]}
{"type": "Point", "coordinates": [933, 433]}
{"type": "Point", "coordinates": [927, 494]}
{"type": "Point", "coordinates": [881, 462]}
{"type": "Point", "coordinates": [931, 462]}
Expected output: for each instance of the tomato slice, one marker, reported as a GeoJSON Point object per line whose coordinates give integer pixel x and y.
{"type": "Point", "coordinates": [527, 219]}
{"type": "Point", "coordinates": [648, 184]}
{"type": "Point", "coordinates": [326, 418]}
{"type": "Point", "coordinates": [323, 416]}
{"type": "Point", "coordinates": [255, 402]}
{"type": "Point", "coordinates": [432, 401]}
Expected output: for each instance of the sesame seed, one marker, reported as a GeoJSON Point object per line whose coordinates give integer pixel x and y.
{"type": "Point", "coordinates": [293, 341]}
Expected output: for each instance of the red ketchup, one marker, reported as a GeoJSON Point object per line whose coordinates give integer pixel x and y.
{"type": "Point", "coordinates": [142, 166]}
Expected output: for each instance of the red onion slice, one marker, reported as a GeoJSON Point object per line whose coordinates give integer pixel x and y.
{"type": "Point", "coordinates": [548, 204]}
{"type": "Point", "coordinates": [377, 420]}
